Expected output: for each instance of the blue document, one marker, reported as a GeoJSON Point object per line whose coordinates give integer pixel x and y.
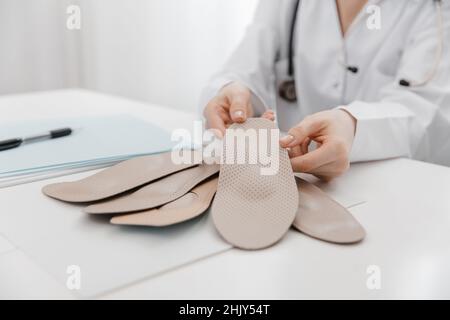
{"type": "Point", "coordinates": [95, 140]}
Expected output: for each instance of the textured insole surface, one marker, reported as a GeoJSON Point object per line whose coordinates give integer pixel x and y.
{"type": "Point", "coordinates": [251, 210]}
{"type": "Point", "coordinates": [189, 206]}
{"type": "Point", "coordinates": [158, 193]}
{"type": "Point", "coordinates": [321, 217]}
{"type": "Point", "coordinates": [120, 178]}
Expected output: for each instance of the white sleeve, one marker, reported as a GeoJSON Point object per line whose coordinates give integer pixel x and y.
{"type": "Point", "coordinates": [410, 121]}
{"type": "Point", "coordinates": [252, 63]}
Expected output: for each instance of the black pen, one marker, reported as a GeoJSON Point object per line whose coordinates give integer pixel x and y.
{"type": "Point", "coordinates": [16, 142]}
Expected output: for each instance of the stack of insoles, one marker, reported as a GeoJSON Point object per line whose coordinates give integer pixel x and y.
{"type": "Point", "coordinates": [251, 210]}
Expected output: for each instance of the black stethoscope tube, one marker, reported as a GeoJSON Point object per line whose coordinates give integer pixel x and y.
{"type": "Point", "coordinates": [291, 39]}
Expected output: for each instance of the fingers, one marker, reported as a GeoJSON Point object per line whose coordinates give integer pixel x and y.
{"type": "Point", "coordinates": [304, 146]}
{"type": "Point", "coordinates": [297, 135]}
{"type": "Point", "coordinates": [313, 160]}
{"type": "Point", "coordinates": [326, 162]}
{"type": "Point", "coordinates": [269, 115]}
{"type": "Point", "coordinates": [218, 117]}
{"type": "Point", "coordinates": [215, 122]}
{"type": "Point", "coordinates": [215, 118]}
{"type": "Point", "coordinates": [332, 170]}
{"type": "Point", "coordinates": [232, 104]}
{"type": "Point", "coordinates": [333, 140]}
{"type": "Point", "coordinates": [295, 151]}
{"type": "Point", "coordinates": [240, 106]}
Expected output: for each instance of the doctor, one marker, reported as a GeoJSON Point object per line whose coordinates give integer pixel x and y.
{"type": "Point", "coordinates": [364, 80]}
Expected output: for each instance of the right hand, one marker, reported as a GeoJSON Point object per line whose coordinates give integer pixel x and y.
{"type": "Point", "coordinates": [232, 104]}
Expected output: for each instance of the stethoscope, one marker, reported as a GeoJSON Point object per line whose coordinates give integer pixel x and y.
{"type": "Point", "coordinates": [287, 88]}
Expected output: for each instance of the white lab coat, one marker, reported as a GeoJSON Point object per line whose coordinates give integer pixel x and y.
{"type": "Point", "coordinates": [392, 121]}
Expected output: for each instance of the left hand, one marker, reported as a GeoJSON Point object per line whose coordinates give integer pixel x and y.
{"type": "Point", "coordinates": [333, 131]}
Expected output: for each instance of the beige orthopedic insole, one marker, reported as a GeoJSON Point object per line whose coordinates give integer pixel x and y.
{"type": "Point", "coordinates": [251, 210]}
{"type": "Point", "coordinates": [189, 206]}
{"type": "Point", "coordinates": [120, 178]}
{"type": "Point", "coordinates": [158, 193]}
{"type": "Point", "coordinates": [321, 217]}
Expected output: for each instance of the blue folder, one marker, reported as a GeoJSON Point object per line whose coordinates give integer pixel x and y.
{"type": "Point", "coordinates": [95, 140]}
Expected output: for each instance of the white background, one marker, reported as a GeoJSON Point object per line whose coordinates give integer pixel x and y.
{"type": "Point", "coordinates": [159, 51]}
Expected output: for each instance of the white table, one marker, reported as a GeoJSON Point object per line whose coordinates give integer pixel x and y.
{"type": "Point", "coordinates": [406, 216]}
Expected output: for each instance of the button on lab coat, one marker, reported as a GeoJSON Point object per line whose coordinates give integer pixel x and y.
{"type": "Point", "coordinates": [392, 121]}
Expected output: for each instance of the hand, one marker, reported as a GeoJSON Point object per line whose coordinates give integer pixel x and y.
{"type": "Point", "coordinates": [334, 132]}
{"type": "Point", "coordinates": [232, 104]}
